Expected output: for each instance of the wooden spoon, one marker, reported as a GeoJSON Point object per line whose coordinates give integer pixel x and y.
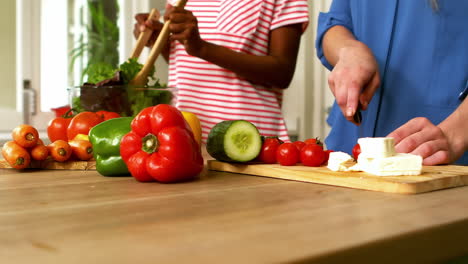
{"type": "Point", "coordinates": [144, 36]}
{"type": "Point", "coordinates": [142, 76]}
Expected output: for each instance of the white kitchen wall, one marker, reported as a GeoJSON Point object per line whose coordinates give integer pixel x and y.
{"type": "Point", "coordinates": [9, 97]}
{"type": "Point", "coordinates": [7, 53]}
{"type": "Point", "coordinates": [10, 100]}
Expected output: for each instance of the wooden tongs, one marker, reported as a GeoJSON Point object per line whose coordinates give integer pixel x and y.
{"type": "Point", "coordinates": [142, 76]}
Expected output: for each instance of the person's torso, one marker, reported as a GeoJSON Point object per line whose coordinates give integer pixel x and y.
{"type": "Point", "coordinates": [216, 94]}
{"type": "Point", "coordinates": [423, 60]}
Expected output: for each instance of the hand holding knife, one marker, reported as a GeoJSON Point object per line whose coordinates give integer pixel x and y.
{"type": "Point", "coordinates": [358, 116]}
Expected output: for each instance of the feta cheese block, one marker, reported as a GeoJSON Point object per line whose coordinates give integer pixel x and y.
{"type": "Point", "coordinates": [340, 161]}
{"type": "Point", "coordinates": [398, 164]}
{"type": "Point", "coordinates": [378, 157]}
{"type": "Point", "coordinates": [378, 147]}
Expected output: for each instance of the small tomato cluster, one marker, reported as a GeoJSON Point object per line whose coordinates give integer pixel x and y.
{"type": "Point", "coordinates": [309, 152]}
{"type": "Point", "coordinates": [69, 126]}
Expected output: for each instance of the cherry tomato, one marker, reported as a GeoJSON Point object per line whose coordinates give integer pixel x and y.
{"type": "Point", "coordinates": [287, 154]}
{"type": "Point", "coordinates": [57, 128]}
{"type": "Point", "coordinates": [299, 144]}
{"type": "Point", "coordinates": [356, 151]}
{"type": "Point", "coordinates": [312, 155]}
{"type": "Point", "coordinates": [82, 123]}
{"type": "Point", "coordinates": [268, 152]}
{"type": "Point", "coordinates": [106, 115]}
{"type": "Point", "coordinates": [313, 141]}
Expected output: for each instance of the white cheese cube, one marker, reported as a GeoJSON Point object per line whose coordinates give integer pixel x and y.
{"type": "Point", "coordinates": [337, 161]}
{"type": "Point", "coordinates": [378, 147]}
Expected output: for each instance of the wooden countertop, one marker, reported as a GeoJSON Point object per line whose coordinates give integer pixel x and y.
{"type": "Point", "coordinates": [81, 217]}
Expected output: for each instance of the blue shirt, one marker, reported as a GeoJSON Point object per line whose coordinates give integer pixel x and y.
{"type": "Point", "coordinates": [423, 63]}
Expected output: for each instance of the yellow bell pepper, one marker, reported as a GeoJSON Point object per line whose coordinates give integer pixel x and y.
{"type": "Point", "coordinates": [81, 137]}
{"type": "Point", "coordinates": [195, 125]}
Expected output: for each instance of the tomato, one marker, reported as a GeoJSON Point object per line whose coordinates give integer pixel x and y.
{"type": "Point", "coordinates": [57, 128]}
{"type": "Point", "coordinates": [299, 144]}
{"type": "Point", "coordinates": [61, 111]}
{"type": "Point", "coordinates": [313, 141]}
{"type": "Point", "coordinates": [82, 123]}
{"type": "Point", "coordinates": [312, 155]}
{"type": "Point", "coordinates": [106, 115]}
{"type": "Point", "coordinates": [327, 154]}
{"type": "Point", "coordinates": [287, 154]}
{"type": "Point", "coordinates": [356, 151]}
{"type": "Point", "coordinates": [268, 152]}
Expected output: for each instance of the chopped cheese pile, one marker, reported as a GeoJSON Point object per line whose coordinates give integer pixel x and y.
{"type": "Point", "coordinates": [377, 157]}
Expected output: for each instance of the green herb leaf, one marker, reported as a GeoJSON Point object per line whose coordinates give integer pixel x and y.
{"type": "Point", "coordinates": [130, 69]}
{"type": "Point", "coordinates": [99, 71]}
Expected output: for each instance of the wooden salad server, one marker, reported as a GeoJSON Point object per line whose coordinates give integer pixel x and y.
{"type": "Point", "coordinates": [144, 37]}
{"type": "Point", "coordinates": [142, 76]}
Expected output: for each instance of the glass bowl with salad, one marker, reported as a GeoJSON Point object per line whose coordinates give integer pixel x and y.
{"type": "Point", "coordinates": [108, 89]}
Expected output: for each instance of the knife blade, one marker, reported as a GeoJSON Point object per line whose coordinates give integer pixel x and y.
{"type": "Point", "coordinates": [358, 116]}
{"type": "Point", "coordinates": [358, 119]}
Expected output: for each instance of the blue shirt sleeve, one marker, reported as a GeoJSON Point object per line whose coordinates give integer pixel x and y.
{"type": "Point", "coordinates": [339, 14]}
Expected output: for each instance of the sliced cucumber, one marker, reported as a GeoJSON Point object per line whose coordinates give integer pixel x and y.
{"type": "Point", "coordinates": [234, 141]}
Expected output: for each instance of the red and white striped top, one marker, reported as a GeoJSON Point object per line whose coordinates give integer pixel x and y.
{"type": "Point", "coordinates": [215, 94]}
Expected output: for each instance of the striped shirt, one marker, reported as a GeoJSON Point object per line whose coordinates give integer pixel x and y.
{"type": "Point", "coordinates": [216, 94]}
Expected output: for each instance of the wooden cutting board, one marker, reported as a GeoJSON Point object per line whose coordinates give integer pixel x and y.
{"type": "Point", "coordinates": [433, 177]}
{"type": "Point", "coordinates": [54, 165]}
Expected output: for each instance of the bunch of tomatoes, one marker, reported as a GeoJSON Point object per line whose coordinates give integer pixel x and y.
{"type": "Point", "coordinates": [67, 134]}
{"type": "Point", "coordinates": [309, 152]}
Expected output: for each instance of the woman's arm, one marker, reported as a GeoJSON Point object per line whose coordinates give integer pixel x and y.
{"type": "Point", "coordinates": [275, 69]}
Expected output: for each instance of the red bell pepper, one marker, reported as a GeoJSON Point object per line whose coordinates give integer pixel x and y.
{"type": "Point", "coordinates": [161, 146]}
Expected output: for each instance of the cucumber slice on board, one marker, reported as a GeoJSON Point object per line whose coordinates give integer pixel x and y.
{"type": "Point", "coordinates": [234, 141]}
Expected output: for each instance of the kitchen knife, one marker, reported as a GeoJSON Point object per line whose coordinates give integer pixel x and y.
{"type": "Point", "coordinates": [358, 120]}
{"type": "Point", "coordinates": [358, 116]}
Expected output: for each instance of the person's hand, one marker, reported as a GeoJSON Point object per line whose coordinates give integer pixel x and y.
{"type": "Point", "coordinates": [184, 28]}
{"type": "Point", "coordinates": [142, 25]}
{"type": "Point", "coordinates": [354, 79]}
{"type": "Point", "coordinates": [420, 137]}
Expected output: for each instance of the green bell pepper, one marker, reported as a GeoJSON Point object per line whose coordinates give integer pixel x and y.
{"type": "Point", "coordinates": [106, 138]}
